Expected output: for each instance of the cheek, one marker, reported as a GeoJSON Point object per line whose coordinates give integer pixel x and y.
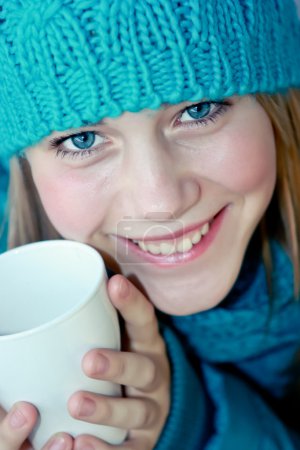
{"type": "Point", "coordinates": [247, 160]}
{"type": "Point", "coordinates": [72, 203]}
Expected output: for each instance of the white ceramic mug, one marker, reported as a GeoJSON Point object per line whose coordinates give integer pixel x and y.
{"type": "Point", "coordinates": [54, 307]}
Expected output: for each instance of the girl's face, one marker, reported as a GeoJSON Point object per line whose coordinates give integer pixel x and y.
{"type": "Point", "coordinates": [171, 197]}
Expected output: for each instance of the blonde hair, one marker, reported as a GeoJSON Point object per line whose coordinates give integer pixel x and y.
{"type": "Point", "coordinates": [28, 221]}
{"type": "Point", "coordinates": [282, 218]}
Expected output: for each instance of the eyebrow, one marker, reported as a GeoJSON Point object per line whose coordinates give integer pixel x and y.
{"type": "Point", "coordinates": [92, 124]}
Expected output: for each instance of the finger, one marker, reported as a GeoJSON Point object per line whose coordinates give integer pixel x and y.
{"type": "Point", "coordinates": [16, 425]}
{"type": "Point", "coordinates": [128, 413]}
{"type": "Point", "coordinates": [61, 441]}
{"type": "Point", "coordinates": [86, 442]}
{"type": "Point", "coordinates": [126, 368]}
{"type": "Point", "coordinates": [138, 313]}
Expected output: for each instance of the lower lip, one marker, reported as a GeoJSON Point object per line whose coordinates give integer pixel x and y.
{"type": "Point", "coordinates": [178, 258]}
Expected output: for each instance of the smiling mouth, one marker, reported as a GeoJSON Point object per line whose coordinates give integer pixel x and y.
{"type": "Point", "coordinates": [167, 247]}
{"type": "Point", "coordinates": [175, 248]}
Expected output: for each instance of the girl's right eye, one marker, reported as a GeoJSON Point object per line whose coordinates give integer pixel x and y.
{"type": "Point", "coordinates": [81, 144]}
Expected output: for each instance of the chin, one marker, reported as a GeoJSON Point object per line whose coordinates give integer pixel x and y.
{"type": "Point", "coordinates": [183, 302]}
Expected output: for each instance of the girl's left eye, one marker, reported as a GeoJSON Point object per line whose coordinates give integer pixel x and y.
{"type": "Point", "coordinates": [201, 113]}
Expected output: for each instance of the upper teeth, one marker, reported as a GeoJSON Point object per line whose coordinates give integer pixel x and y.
{"type": "Point", "coordinates": [180, 245]}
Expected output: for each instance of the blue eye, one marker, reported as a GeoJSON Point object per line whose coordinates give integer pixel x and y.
{"type": "Point", "coordinates": [83, 141]}
{"type": "Point", "coordinates": [199, 111]}
{"type": "Point", "coordinates": [202, 113]}
{"type": "Point", "coordinates": [82, 144]}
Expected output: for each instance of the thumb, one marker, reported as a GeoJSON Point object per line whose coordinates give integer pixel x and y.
{"type": "Point", "coordinates": [16, 425]}
{"type": "Point", "coordinates": [138, 314]}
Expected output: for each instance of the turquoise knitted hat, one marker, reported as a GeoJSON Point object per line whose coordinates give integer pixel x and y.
{"type": "Point", "coordinates": [66, 63]}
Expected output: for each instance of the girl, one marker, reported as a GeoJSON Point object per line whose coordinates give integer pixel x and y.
{"type": "Point", "coordinates": [166, 135]}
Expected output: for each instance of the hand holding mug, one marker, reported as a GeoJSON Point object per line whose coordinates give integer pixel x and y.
{"type": "Point", "coordinates": [143, 370]}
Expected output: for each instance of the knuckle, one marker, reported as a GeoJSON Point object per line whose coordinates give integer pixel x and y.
{"type": "Point", "coordinates": [119, 369]}
{"type": "Point", "coordinates": [105, 412]}
{"type": "Point", "coordinates": [150, 374]}
{"type": "Point", "coordinates": [146, 416]}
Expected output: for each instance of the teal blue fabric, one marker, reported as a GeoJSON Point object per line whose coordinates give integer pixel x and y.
{"type": "Point", "coordinates": [266, 329]}
{"type": "Point", "coordinates": [189, 401]}
{"type": "Point", "coordinates": [68, 63]}
{"type": "Point", "coordinates": [243, 355]}
{"type": "Point", "coordinates": [243, 420]}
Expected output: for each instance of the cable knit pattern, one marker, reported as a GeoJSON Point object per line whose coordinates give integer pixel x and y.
{"type": "Point", "coordinates": [71, 62]}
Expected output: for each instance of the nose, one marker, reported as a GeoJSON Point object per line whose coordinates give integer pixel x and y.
{"type": "Point", "coordinates": [157, 185]}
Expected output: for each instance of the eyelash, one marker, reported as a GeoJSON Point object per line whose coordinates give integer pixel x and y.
{"type": "Point", "coordinates": [220, 108]}
{"type": "Point", "coordinates": [55, 144]}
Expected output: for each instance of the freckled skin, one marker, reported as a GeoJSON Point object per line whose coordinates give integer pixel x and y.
{"type": "Point", "coordinates": [151, 168]}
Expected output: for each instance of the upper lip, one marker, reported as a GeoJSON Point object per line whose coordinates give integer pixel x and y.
{"type": "Point", "coordinates": [171, 235]}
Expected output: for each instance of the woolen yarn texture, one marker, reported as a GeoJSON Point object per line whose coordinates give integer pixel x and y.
{"type": "Point", "coordinates": [69, 63]}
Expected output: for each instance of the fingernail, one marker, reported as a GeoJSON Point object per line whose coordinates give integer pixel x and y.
{"type": "Point", "coordinates": [86, 407]}
{"type": "Point", "coordinates": [58, 443]}
{"type": "Point", "coordinates": [99, 365]}
{"type": "Point", "coordinates": [17, 419]}
{"type": "Point", "coordinates": [124, 288]}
